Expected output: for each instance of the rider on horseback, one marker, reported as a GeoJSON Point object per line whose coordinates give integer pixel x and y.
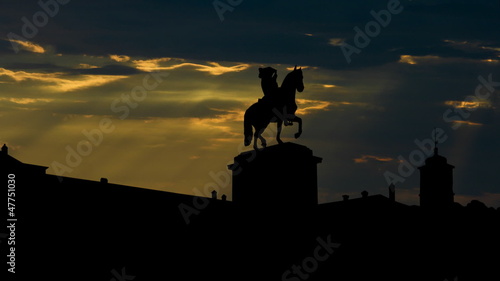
{"type": "Point", "coordinates": [269, 83]}
{"type": "Point", "coordinates": [271, 92]}
{"type": "Point", "coordinates": [273, 107]}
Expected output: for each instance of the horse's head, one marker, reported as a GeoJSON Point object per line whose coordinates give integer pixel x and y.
{"type": "Point", "coordinates": [299, 79]}
{"type": "Point", "coordinates": [294, 80]}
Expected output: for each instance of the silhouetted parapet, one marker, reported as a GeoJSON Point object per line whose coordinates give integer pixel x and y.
{"type": "Point", "coordinates": [9, 164]}
{"type": "Point", "coordinates": [278, 177]}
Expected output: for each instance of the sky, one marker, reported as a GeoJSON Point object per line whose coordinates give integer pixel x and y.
{"type": "Point", "coordinates": [152, 93]}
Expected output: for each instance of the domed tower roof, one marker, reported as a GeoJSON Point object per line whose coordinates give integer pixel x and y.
{"type": "Point", "coordinates": [436, 159]}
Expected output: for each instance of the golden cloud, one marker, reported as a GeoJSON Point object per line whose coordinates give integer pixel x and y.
{"type": "Point", "coordinates": [151, 65]}
{"type": "Point", "coordinates": [336, 41]}
{"type": "Point", "coordinates": [213, 68]}
{"type": "Point", "coordinates": [29, 46]}
{"type": "Point", "coordinates": [86, 66]}
{"type": "Point", "coordinates": [365, 158]}
{"type": "Point", "coordinates": [468, 123]}
{"type": "Point", "coordinates": [300, 66]}
{"type": "Point", "coordinates": [468, 104]}
{"type": "Point", "coordinates": [61, 84]}
{"type": "Point", "coordinates": [307, 106]}
{"type": "Point", "coordinates": [408, 59]}
{"type": "Point", "coordinates": [119, 58]}
{"type": "Point", "coordinates": [26, 100]}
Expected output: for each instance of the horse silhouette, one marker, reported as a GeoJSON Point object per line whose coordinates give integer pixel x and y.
{"type": "Point", "coordinates": [276, 107]}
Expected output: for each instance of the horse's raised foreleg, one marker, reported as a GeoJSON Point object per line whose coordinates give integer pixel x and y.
{"type": "Point", "coordinates": [279, 125]}
{"type": "Point", "coordinates": [298, 120]}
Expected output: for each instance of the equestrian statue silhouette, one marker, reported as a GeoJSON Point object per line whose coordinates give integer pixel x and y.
{"type": "Point", "coordinates": [278, 105]}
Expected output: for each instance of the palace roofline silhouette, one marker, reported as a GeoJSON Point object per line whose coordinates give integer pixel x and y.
{"type": "Point", "coordinates": [435, 173]}
{"type": "Point", "coordinates": [272, 224]}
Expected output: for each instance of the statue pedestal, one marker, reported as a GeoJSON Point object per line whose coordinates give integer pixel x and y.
{"type": "Point", "coordinates": [281, 177]}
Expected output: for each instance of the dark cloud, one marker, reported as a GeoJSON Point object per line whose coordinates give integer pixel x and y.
{"type": "Point", "coordinates": [42, 67]}
{"type": "Point", "coordinates": [256, 32]}
{"type": "Point", "coordinates": [6, 47]}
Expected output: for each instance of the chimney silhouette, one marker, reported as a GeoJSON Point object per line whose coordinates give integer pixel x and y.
{"type": "Point", "coordinates": [364, 194]}
{"type": "Point", "coordinates": [285, 173]}
{"type": "Point", "coordinates": [392, 192]}
{"type": "Point", "coordinates": [5, 149]}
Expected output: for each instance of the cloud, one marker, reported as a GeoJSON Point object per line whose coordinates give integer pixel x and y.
{"type": "Point", "coordinates": [308, 106]}
{"type": "Point", "coordinates": [408, 59]}
{"type": "Point", "coordinates": [213, 68]}
{"type": "Point", "coordinates": [86, 66]}
{"type": "Point", "coordinates": [119, 58]}
{"type": "Point", "coordinates": [26, 100]}
{"type": "Point", "coordinates": [59, 81]}
{"type": "Point", "coordinates": [469, 104]}
{"type": "Point", "coordinates": [111, 70]}
{"type": "Point", "coordinates": [151, 64]}
{"type": "Point", "coordinates": [337, 42]}
{"type": "Point", "coordinates": [28, 46]}
{"type": "Point", "coordinates": [85, 81]}
{"type": "Point", "coordinates": [19, 76]}
{"type": "Point", "coordinates": [366, 158]}
{"type": "Point", "coordinates": [291, 68]}
{"type": "Point", "coordinates": [470, 123]}
{"type": "Point", "coordinates": [472, 46]}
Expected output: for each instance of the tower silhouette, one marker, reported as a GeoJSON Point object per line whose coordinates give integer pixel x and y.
{"type": "Point", "coordinates": [436, 182]}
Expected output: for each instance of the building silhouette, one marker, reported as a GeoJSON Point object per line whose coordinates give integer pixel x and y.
{"type": "Point", "coordinates": [436, 182]}
{"type": "Point", "coordinates": [274, 229]}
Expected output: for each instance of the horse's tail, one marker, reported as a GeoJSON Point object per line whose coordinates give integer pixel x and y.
{"type": "Point", "coordinates": [247, 130]}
